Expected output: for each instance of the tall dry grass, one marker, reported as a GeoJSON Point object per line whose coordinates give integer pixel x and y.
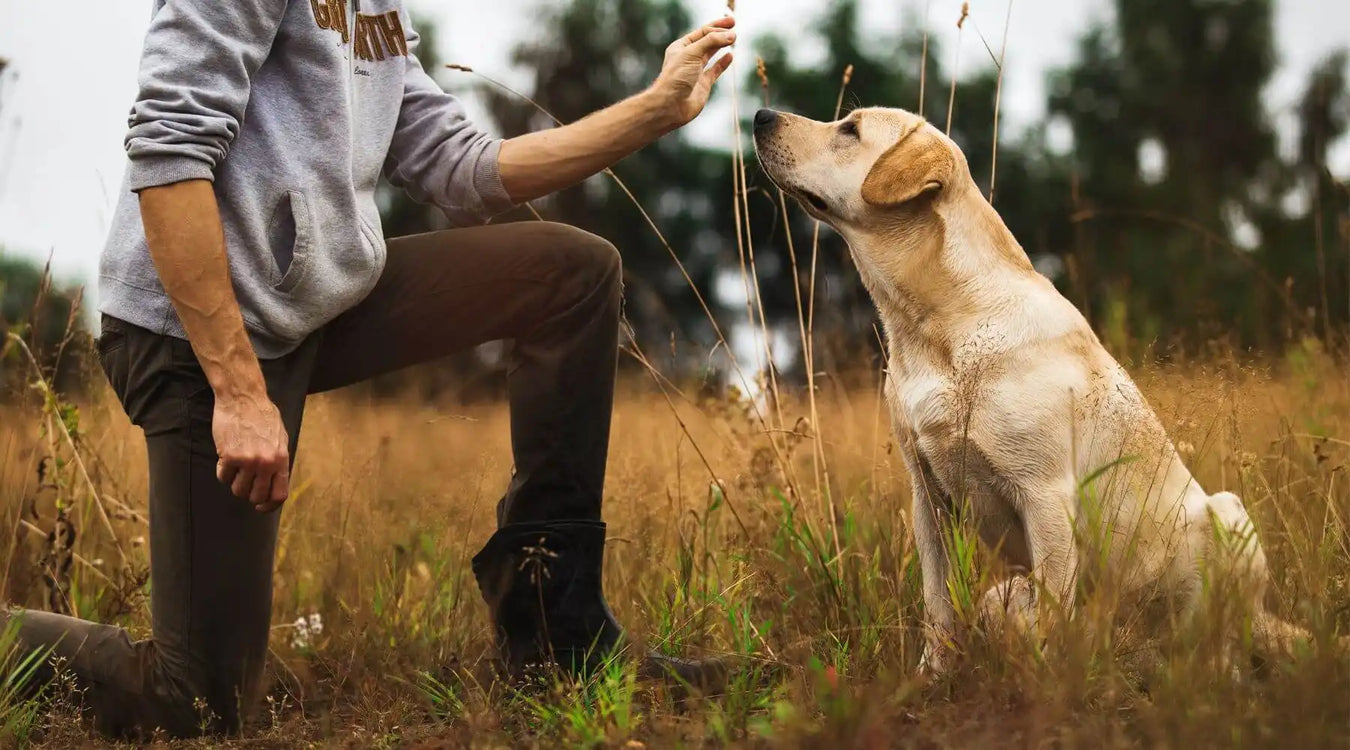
{"type": "Point", "coordinates": [393, 497]}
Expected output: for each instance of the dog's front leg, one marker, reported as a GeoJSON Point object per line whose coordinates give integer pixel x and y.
{"type": "Point", "coordinates": [1049, 514]}
{"type": "Point", "coordinates": [932, 519]}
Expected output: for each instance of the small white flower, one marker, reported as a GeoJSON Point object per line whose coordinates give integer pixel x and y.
{"type": "Point", "coordinates": [299, 633]}
{"type": "Point", "coordinates": [304, 630]}
{"type": "Point", "coordinates": [1185, 448]}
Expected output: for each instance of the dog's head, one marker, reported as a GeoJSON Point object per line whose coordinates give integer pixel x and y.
{"type": "Point", "coordinates": [870, 167]}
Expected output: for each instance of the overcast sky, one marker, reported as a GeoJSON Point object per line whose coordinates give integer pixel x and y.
{"type": "Point", "coordinates": [64, 104]}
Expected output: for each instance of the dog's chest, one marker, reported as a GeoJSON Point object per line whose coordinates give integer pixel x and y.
{"type": "Point", "coordinates": [961, 424]}
{"type": "Point", "coordinates": [927, 404]}
{"type": "Point", "coordinates": [915, 400]}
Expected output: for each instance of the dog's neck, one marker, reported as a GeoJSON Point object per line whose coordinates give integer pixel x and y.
{"type": "Point", "coordinates": [935, 270]}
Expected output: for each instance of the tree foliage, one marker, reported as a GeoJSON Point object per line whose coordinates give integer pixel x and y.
{"type": "Point", "coordinates": [46, 318]}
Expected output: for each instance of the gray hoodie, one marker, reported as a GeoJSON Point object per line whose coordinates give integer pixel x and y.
{"type": "Point", "coordinates": [293, 108]}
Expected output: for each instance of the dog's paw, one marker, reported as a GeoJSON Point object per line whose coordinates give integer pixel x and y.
{"type": "Point", "coordinates": [934, 661]}
{"type": "Point", "coordinates": [1009, 603]}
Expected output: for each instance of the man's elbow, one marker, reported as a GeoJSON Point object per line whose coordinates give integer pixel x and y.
{"type": "Point", "coordinates": [168, 147]}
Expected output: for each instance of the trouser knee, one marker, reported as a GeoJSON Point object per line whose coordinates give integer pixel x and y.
{"type": "Point", "coordinates": [590, 262]}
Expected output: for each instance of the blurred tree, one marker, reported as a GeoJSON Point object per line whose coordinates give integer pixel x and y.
{"type": "Point", "coordinates": [1179, 175]}
{"type": "Point", "coordinates": [45, 316]}
{"type": "Point", "coordinates": [1312, 213]}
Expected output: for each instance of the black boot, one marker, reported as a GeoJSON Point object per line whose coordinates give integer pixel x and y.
{"type": "Point", "coordinates": [543, 586]}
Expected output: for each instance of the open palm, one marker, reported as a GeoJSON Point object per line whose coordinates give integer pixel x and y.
{"type": "Point", "coordinates": [686, 78]}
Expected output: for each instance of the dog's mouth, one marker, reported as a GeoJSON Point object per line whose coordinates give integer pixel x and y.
{"type": "Point", "coordinates": [813, 203]}
{"type": "Point", "coordinates": [811, 199]}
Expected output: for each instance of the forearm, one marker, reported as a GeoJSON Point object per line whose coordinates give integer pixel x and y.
{"type": "Point", "coordinates": [187, 245]}
{"type": "Point", "coordinates": [537, 164]}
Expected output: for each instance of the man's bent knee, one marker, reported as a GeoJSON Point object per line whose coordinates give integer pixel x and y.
{"type": "Point", "coordinates": [587, 258]}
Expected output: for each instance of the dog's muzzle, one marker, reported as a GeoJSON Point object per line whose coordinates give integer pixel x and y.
{"type": "Point", "coordinates": [765, 120]}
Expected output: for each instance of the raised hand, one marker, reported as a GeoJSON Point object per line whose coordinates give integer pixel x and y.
{"type": "Point", "coordinates": [686, 79]}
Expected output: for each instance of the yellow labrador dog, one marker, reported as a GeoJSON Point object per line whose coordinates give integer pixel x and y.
{"type": "Point", "coordinates": [1000, 393]}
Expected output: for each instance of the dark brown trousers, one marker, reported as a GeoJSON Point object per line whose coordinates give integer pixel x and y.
{"type": "Point", "coordinates": [552, 289]}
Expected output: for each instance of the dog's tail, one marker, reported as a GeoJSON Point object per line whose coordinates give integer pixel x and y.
{"type": "Point", "coordinates": [1273, 636]}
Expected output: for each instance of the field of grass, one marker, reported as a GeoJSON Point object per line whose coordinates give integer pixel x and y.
{"type": "Point", "coordinates": [722, 542]}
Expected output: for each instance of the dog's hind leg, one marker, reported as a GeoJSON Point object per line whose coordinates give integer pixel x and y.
{"type": "Point", "coordinates": [1227, 554]}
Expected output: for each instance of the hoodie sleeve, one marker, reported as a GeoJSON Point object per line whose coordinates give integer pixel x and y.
{"type": "Point", "coordinates": [196, 68]}
{"type": "Point", "coordinates": [440, 157]}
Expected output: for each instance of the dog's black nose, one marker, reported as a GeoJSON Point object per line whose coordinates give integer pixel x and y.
{"type": "Point", "coordinates": [764, 119]}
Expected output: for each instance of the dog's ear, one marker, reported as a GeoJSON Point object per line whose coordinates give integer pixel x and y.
{"type": "Point", "coordinates": [918, 164]}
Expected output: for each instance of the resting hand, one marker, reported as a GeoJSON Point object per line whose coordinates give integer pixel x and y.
{"type": "Point", "coordinates": [254, 455]}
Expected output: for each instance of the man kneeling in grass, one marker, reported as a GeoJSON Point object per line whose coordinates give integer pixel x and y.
{"type": "Point", "coordinates": [246, 269]}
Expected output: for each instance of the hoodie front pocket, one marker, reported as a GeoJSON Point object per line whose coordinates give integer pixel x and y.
{"type": "Point", "coordinates": [289, 239]}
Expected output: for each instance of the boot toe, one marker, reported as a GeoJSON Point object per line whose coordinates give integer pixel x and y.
{"type": "Point", "coordinates": [706, 676]}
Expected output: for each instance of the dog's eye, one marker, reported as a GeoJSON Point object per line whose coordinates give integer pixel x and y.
{"type": "Point", "coordinates": [849, 128]}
